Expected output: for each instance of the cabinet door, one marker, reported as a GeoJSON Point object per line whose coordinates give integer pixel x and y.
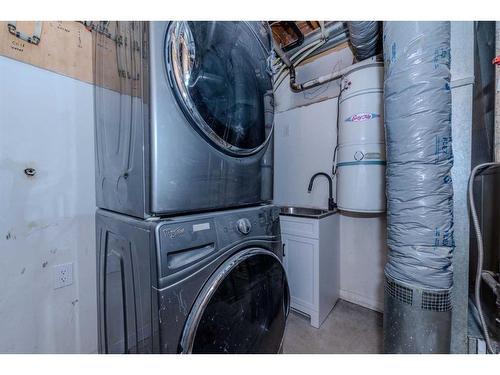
{"type": "Point", "coordinates": [300, 258]}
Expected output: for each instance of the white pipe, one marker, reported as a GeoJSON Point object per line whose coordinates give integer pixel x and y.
{"type": "Point", "coordinates": [371, 32]}
{"type": "Point", "coordinates": [282, 56]}
{"type": "Point", "coordinates": [325, 78]}
{"type": "Point", "coordinates": [307, 49]}
{"type": "Point", "coordinates": [283, 73]}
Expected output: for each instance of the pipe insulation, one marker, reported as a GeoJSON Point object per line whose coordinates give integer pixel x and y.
{"type": "Point", "coordinates": [419, 153]}
{"type": "Point", "coordinates": [364, 36]}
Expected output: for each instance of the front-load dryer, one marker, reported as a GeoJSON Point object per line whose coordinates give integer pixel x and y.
{"type": "Point", "coordinates": [203, 283]}
{"type": "Point", "coordinates": [184, 116]}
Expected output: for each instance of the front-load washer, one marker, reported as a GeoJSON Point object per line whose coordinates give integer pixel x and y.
{"type": "Point", "coordinates": [184, 116]}
{"type": "Point", "coordinates": [204, 283]}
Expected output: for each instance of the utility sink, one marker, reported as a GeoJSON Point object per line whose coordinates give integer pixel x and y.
{"type": "Point", "coordinates": [310, 240]}
{"type": "Point", "coordinates": [314, 213]}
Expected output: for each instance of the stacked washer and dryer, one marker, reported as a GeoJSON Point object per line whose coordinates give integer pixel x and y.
{"type": "Point", "coordinates": [189, 249]}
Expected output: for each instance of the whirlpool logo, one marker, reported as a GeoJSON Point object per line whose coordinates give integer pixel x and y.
{"type": "Point", "coordinates": [172, 233]}
{"type": "Point", "coordinates": [364, 116]}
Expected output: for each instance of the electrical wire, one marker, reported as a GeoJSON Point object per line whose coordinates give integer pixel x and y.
{"type": "Point", "coordinates": [480, 251]}
{"type": "Point", "coordinates": [335, 150]}
{"type": "Point", "coordinates": [298, 57]}
{"type": "Point", "coordinates": [284, 73]}
{"type": "Point", "coordinates": [306, 49]}
{"type": "Point", "coordinates": [283, 69]}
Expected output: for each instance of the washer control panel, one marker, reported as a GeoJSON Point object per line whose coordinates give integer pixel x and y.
{"type": "Point", "coordinates": [251, 222]}
{"type": "Point", "coordinates": [187, 241]}
{"type": "Point", "coordinates": [244, 226]}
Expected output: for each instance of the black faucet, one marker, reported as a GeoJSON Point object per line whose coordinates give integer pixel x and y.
{"type": "Point", "coordinates": [331, 203]}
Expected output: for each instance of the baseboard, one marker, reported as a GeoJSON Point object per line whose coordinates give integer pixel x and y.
{"type": "Point", "coordinates": [364, 301]}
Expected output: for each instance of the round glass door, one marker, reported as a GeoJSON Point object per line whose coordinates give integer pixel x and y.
{"type": "Point", "coordinates": [219, 72]}
{"type": "Point", "coordinates": [242, 309]}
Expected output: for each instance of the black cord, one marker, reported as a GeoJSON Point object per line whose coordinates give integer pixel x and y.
{"type": "Point", "coordinates": [334, 167]}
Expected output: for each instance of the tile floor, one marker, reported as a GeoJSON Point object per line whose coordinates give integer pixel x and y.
{"type": "Point", "coordinates": [348, 329]}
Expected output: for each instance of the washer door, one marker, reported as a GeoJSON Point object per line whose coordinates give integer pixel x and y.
{"type": "Point", "coordinates": [242, 308]}
{"type": "Point", "coordinates": [219, 72]}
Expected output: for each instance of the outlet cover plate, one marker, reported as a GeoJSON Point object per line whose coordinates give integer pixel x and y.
{"type": "Point", "coordinates": [63, 275]}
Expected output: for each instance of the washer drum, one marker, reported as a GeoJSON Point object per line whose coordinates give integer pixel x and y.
{"type": "Point", "coordinates": [360, 158]}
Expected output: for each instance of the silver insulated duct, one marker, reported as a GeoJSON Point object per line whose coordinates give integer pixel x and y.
{"type": "Point", "coordinates": [417, 307]}
{"type": "Point", "coordinates": [364, 37]}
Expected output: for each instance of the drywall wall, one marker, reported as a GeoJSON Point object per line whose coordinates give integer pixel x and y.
{"type": "Point", "coordinates": [305, 131]}
{"type": "Point", "coordinates": [46, 123]}
{"type": "Point", "coordinates": [304, 142]}
{"type": "Point", "coordinates": [327, 62]}
{"type": "Point", "coordinates": [305, 137]}
{"type": "Point", "coordinates": [363, 252]}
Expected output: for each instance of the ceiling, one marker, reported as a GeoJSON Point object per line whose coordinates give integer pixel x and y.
{"type": "Point", "coordinates": [289, 34]}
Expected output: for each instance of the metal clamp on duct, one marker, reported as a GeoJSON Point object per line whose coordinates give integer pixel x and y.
{"type": "Point", "coordinates": [419, 192]}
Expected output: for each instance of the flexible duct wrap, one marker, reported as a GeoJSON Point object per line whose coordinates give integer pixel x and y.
{"type": "Point", "coordinates": [364, 38]}
{"type": "Point", "coordinates": [419, 154]}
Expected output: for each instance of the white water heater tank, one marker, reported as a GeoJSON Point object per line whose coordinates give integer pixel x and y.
{"type": "Point", "coordinates": [360, 154]}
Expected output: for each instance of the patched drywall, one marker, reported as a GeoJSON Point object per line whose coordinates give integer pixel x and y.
{"type": "Point", "coordinates": [47, 203]}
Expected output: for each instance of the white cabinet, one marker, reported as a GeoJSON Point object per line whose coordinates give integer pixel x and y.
{"type": "Point", "coordinates": [299, 259]}
{"type": "Point", "coordinates": [311, 260]}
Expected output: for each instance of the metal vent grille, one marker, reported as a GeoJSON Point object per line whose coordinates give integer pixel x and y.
{"type": "Point", "coordinates": [436, 301]}
{"type": "Point", "coordinates": [399, 292]}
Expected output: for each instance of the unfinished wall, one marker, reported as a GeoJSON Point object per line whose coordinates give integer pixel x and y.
{"type": "Point", "coordinates": [46, 123]}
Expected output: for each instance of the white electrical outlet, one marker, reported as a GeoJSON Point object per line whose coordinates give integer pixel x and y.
{"type": "Point", "coordinates": [63, 275]}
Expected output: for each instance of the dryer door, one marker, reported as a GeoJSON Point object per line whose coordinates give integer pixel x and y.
{"type": "Point", "coordinates": [220, 74]}
{"type": "Point", "coordinates": [242, 308]}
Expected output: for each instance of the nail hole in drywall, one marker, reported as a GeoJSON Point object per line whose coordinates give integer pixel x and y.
{"type": "Point", "coordinates": [30, 172]}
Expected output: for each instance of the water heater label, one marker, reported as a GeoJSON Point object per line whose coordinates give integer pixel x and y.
{"type": "Point", "coordinates": [203, 226]}
{"type": "Point", "coordinates": [373, 155]}
{"type": "Point", "coordinates": [359, 117]}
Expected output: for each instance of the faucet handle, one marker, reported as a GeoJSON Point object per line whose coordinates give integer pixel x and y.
{"type": "Point", "coordinates": [331, 204]}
